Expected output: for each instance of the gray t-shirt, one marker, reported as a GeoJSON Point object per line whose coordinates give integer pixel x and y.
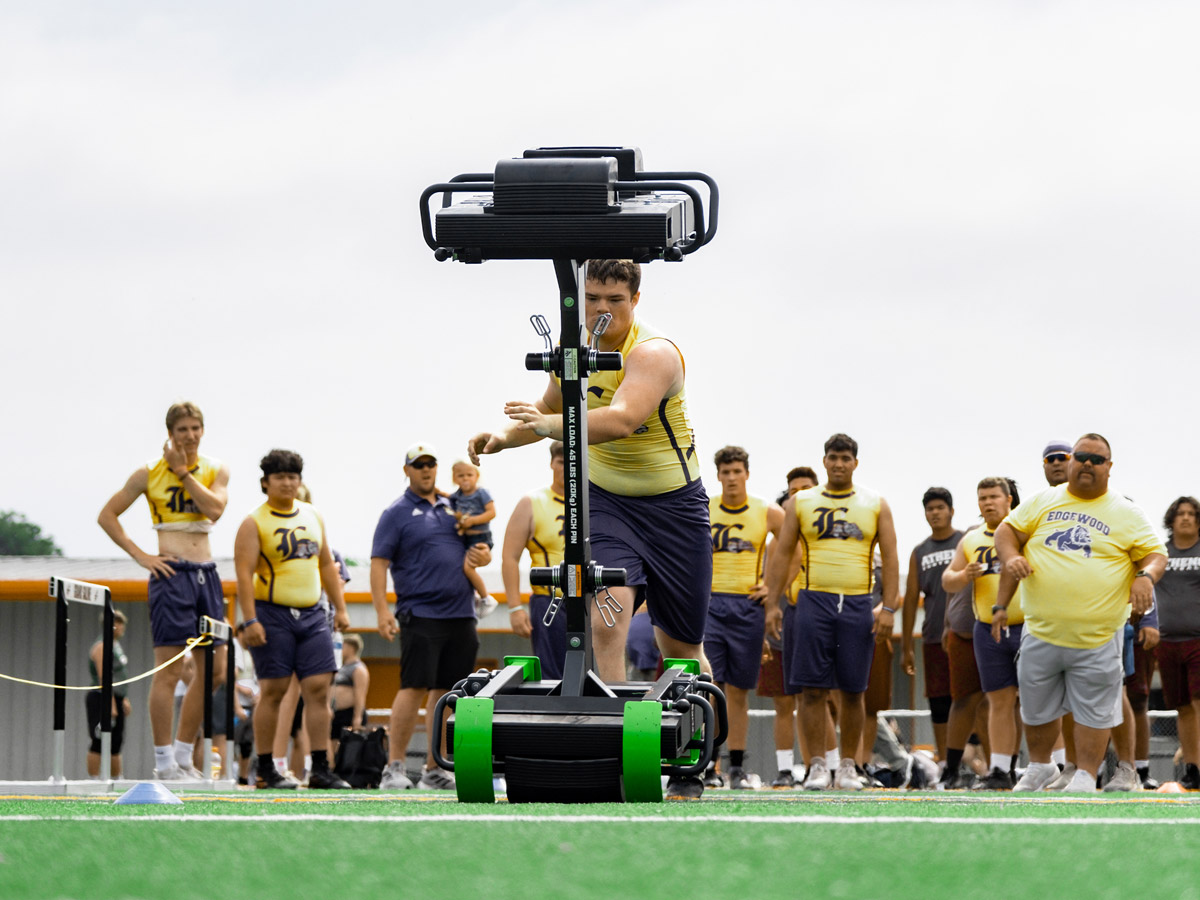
{"type": "Point", "coordinates": [1178, 594]}
{"type": "Point", "coordinates": [932, 559]}
{"type": "Point", "coordinates": [960, 608]}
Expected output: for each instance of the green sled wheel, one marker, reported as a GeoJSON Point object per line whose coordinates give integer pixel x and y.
{"type": "Point", "coordinates": [473, 750]}
{"type": "Point", "coordinates": [641, 752]}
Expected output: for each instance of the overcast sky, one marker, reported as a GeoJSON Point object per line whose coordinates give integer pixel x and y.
{"type": "Point", "coordinates": [952, 230]}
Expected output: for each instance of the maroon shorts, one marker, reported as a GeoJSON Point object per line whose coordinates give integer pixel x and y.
{"type": "Point", "coordinates": [770, 677]}
{"type": "Point", "coordinates": [1138, 684]}
{"type": "Point", "coordinates": [964, 671]}
{"type": "Point", "coordinates": [1179, 668]}
{"type": "Point", "coordinates": [937, 670]}
{"type": "Point", "coordinates": [879, 685]}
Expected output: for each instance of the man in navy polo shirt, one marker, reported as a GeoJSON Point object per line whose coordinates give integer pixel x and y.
{"type": "Point", "coordinates": [417, 539]}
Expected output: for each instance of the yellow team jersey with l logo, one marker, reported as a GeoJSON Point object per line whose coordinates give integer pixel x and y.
{"type": "Point", "coordinates": [546, 546]}
{"type": "Point", "coordinates": [739, 537]}
{"type": "Point", "coordinates": [171, 507]}
{"type": "Point", "coordinates": [838, 531]}
{"type": "Point", "coordinates": [288, 571]}
{"type": "Point", "coordinates": [980, 546]}
{"type": "Point", "coordinates": [660, 455]}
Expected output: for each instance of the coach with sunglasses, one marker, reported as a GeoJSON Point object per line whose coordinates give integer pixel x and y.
{"type": "Point", "coordinates": [1085, 556]}
{"type": "Point", "coordinates": [417, 539]}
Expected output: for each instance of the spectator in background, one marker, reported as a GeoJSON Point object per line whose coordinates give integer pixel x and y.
{"type": "Point", "coordinates": [1178, 652]}
{"type": "Point", "coordinates": [120, 701]}
{"type": "Point", "coordinates": [349, 696]}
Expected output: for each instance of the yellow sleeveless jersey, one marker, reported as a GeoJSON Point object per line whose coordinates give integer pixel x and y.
{"type": "Point", "coordinates": [546, 546]}
{"type": "Point", "coordinates": [739, 537]}
{"type": "Point", "coordinates": [980, 546]}
{"type": "Point", "coordinates": [288, 571]}
{"type": "Point", "coordinates": [837, 531]}
{"type": "Point", "coordinates": [660, 456]}
{"type": "Point", "coordinates": [171, 507]}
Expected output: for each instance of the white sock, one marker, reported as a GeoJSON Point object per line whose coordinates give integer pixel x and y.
{"type": "Point", "coordinates": [785, 759]}
{"type": "Point", "coordinates": [1141, 764]}
{"type": "Point", "coordinates": [1036, 768]}
{"type": "Point", "coordinates": [281, 765]}
{"type": "Point", "coordinates": [833, 758]}
{"type": "Point", "coordinates": [1059, 757]}
{"type": "Point", "coordinates": [183, 754]}
{"type": "Point", "coordinates": [163, 758]}
{"type": "Point", "coordinates": [307, 763]}
{"type": "Point", "coordinates": [1001, 761]}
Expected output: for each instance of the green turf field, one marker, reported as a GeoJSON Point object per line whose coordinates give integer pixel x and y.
{"type": "Point", "coordinates": [769, 844]}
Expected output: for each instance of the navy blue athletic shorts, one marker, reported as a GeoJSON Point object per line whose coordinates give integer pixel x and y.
{"type": "Point", "coordinates": [997, 662]}
{"type": "Point", "coordinates": [828, 641]}
{"type": "Point", "coordinates": [664, 545]}
{"type": "Point", "coordinates": [549, 644]}
{"type": "Point", "coordinates": [298, 640]}
{"type": "Point", "coordinates": [178, 602]}
{"type": "Point", "coordinates": [733, 639]}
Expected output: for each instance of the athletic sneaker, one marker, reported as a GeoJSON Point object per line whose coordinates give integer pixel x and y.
{"type": "Point", "coordinates": [1148, 783]}
{"type": "Point", "coordinates": [1036, 777]}
{"type": "Point", "coordinates": [1081, 783]}
{"type": "Point", "coordinates": [1191, 778]}
{"type": "Point", "coordinates": [395, 778]}
{"type": "Point", "coordinates": [713, 778]}
{"type": "Point", "coordinates": [784, 780]}
{"type": "Point", "coordinates": [995, 780]}
{"type": "Point", "coordinates": [847, 778]}
{"type": "Point", "coordinates": [499, 785]}
{"type": "Point", "coordinates": [175, 773]}
{"type": "Point", "coordinates": [690, 788]}
{"type": "Point", "coordinates": [1064, 778]}
{"type": "Point", "coordinates": [1124, 779]}
{"type": "Point", "coordinates": [326, 780]}
{"type": "Point", "coordinates": [436, 779]}
{"type": "Point", "coordinates": [485, 605]}
{"type": "Point", "coordinates": [818, 778]}
{"type": "Point", "coordinates": [275, 782]}
{"type": "Point", "coordinates": [740, 781]}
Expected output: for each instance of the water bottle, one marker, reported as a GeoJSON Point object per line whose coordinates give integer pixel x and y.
{"type": "Point", "coordinates": [337, 648]}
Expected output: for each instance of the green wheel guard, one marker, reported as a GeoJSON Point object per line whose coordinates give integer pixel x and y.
{"type": "Point", "coordinates": [473, 750]}
{"type": "Point", "coordinates": [641, 752]}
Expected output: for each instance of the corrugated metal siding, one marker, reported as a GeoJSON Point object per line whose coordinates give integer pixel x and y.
{"type": "Point", "coordinates": [27, 712]}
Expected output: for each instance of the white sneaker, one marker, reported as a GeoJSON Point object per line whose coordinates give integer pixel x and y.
{"type": "Point", "coordinates": [1064, 778]}
{"type": "Point", "coordinates": [1081, 783]}
{"type": "Point", "coordinates": [395, 778]}
{"type": "Point", "coordinates": [818, 775]}
{"type": "Point", "coordinates": [1036, 777]}
{"type": "Point", "coordinates": [798, 772]}
{"type": "Point", "coordinates": [499, 785]}
{"type": "Point", "coordinates": [173, 773]}
{"type": "Point", "coordinates": [846, 778]}
{"type": "Point", "coordinates": [485, 605]}
{"type": "Point", "coordinates": [1124, 779]}
{"type": "Point", "coordinates": [436, 779]}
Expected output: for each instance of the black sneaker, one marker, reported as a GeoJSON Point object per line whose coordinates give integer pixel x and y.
{"type": "Point", "coordinates": [740, 781]}
{"type": "Point", "coordinates": [713, 778]}
{"type": "Point", "coordinates": [274, 781]}
{"type": "Point", "coordinates": [690, 788]}
{"type": "Point", "coordinates": [326, 780]}
{"type": "Point", "coordinates": [784, 780]}
{"type": "Point", "coordinates": [1191, 778]}
{"type": "Point", "coordinates": [995, 780]}
{"type": "Point", "coordinates": [1148, 783]}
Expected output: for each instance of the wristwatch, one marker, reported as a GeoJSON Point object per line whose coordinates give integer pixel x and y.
{"type": "Point", "coordinates": [1142, 574]}
{"type": "Point", "coordinates": [996, 609]}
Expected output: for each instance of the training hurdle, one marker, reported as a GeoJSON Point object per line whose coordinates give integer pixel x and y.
{"type": "Point", "coordinates": [216, 629]}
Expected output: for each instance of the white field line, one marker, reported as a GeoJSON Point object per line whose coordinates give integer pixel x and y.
{"type": "Point", "coordinates": [616, 820]}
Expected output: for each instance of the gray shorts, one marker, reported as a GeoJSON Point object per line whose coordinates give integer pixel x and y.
{"type": "Point", "coordinates": [1086, 683]}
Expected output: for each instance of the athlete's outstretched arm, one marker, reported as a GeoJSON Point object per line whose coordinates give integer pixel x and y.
{"type": "Point", "coordinates": [548, 408]}
{"type": "Point", "coordinates": [516, 535]}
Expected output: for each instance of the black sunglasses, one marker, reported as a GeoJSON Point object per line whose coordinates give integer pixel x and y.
{"type": "Point", "coordinates": [1057, 457]}
{"type": "Point", "coordinates": [1094, 458]}
{"type": "Point", "coordinates": [424, 464]}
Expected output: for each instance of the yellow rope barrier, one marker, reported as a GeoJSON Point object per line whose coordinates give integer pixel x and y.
{"type": "Point", "coordinates": [202, 641]}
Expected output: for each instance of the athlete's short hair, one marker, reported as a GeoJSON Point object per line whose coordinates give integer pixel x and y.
{"type": "Point", "coordinates": [354, 641]}
{"type": "Point", "coordinates": [842, 442]}
{"type": "Point", "coordinates": [119, 618]}
{"type": "Point", "coordinates": [1173, 511]}
{"type": "Point", "coordinates": [625, 270]}
{"type": "Point", "coordinates": [183, 410]}
{"type": "Point", "coordinates": [278, 461]}
{"type": "Point", "coordinates": [730, 454]}
{"type": "Point", "coordinates": [1092, 436]}
{"type": "Point", "coordinates": [937, 493]}
{"type": "Point", "coordinates": [1006, 484]}
{"type": "Point", "coordinates": [303, 494]}
{"type": "Point", "coordinates": [802, 472]}
{"type": "Point", "coordinates": [556, 450]}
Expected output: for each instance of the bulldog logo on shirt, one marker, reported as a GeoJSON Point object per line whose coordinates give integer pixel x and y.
{"type": "Point", "coordinates": [1070, 539]}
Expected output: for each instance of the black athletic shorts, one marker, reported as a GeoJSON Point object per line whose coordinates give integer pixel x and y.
{"type": "Point", "coordinates": [436, 653]}
{"type": "Point", "coordinates": [94, 708]}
